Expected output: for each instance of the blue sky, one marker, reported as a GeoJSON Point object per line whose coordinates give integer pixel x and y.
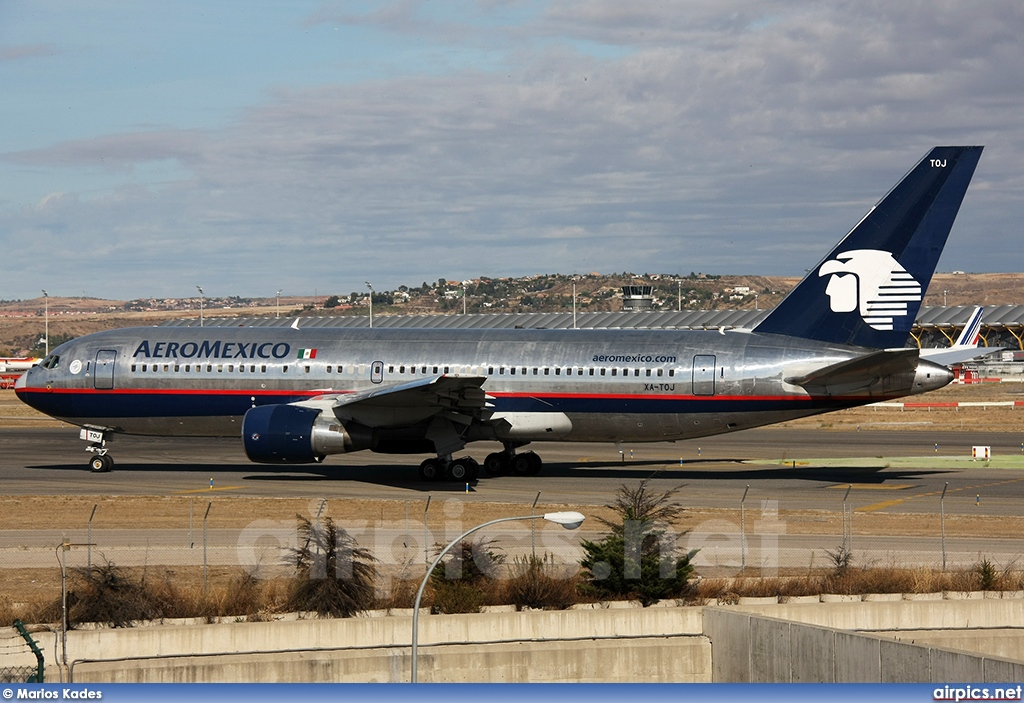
{"type": "Point", "coordinates": [310, 146]}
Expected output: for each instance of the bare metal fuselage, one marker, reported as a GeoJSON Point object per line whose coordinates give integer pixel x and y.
{"type": "Point", "coordinates": [568, 385]}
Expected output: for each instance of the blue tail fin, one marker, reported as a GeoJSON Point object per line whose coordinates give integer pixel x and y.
{"type": "Point", "coordinates": [867, 291]}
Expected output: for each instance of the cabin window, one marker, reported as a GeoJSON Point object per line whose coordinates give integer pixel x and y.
{"type": "Point", "coordinates": [446, 369]}
{"type": "Point", "coordinates": [329, 367]}
{"type": "Point", "coordinates": [604, 371]}
{"type": "Point", "coordinates": [435, 370]}
{"type": "Point", "coordinates": [177, 368]}
{"type": "Point", "coordinates": [391, 369]}
{"type": "Point", "coordinates": [547, 371]}
{"type": "Point", "coordinates": [615, 372]}
{"type": "Point", "coordinates": [636, 372]}
{"type": "Point", "coordinates": [671, 372]}
{"type": "Point", "coordinates": [501, 371]}
{"type": "Point", "coordinates": [512, 370]}
{"type": "Point", "coordinates": [263, 368]}
{"type": "Point", "coordinates": [306, 369]}
{"type": "Point", "coordinates": [558, 371]}
{"type": "Point", "coordinates": [591, 372]}
{"type": "Point", "coordinates": [661, 372]}
{"type": "Point", "coordinates": [648, 372]}
{"type": "Point", "coordinates": [133, 368]}
{"type": "Point", "coordinates": [284, 369]}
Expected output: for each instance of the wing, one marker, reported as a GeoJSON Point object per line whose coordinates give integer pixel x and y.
{"type": "Point", "coordinates": [444, 405]}
{"type": "Point", "coordinates": [452, 395]}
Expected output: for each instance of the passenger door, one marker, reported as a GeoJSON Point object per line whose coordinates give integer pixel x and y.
{"type": "Point", "coordinates": [704, 374]}
{"type": "Point", "coordinates": [103, 378]}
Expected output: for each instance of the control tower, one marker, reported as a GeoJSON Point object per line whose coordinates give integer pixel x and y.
{"type": "Point", "coordinates": [636, 297]}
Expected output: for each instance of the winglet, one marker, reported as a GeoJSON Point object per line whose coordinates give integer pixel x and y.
{"type": "Point", "coordinates": [867, 291]}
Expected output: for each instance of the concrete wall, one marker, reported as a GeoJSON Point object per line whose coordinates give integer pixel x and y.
{"type": "Point", "coordinates": [820, 642]}
{"type": "Point", "coordinates": [748, 647]}
{"type": "Point", "coordinates": [655, 644]}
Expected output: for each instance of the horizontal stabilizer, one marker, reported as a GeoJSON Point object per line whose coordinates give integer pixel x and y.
{"type": "Point", "coordinates": [947, 356]}
{"type": "Point", "coordinates": [861, 371]}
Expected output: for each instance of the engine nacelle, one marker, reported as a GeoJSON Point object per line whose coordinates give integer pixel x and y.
{"type": "Point", "coordinates": [292, 434]}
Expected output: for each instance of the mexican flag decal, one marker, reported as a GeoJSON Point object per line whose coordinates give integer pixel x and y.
{"type": "Point", "coordinates": [307, 353]}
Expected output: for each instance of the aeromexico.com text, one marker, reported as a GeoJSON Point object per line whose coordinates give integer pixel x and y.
{"type": "Point", "coordinates": [634, 358]}
{"type": "Point", "coordinates": [213, 350]}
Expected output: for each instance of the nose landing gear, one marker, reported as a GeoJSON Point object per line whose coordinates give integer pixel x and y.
{"type": "Point", "coordinates": [102, 461]}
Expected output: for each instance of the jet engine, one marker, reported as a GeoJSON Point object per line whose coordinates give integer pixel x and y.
{"type": "Point", "coordinates": [292, 434]}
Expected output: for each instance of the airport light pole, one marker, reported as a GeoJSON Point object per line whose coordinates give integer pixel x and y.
{"type": "Point", "coordinates": [574, 302]}
{"type": "Point", "coordinates": [279, 303]}
{"type": "Point", "coordinates": [370, 286]}
{"type": "Point", "coordinates": [202, 300]}
{"type": "Point", "coordinates": [570, 520]}
{"type": "Point", "coordinates": [942, 523]}
{"type": "Point", "coordinates": [46, 322]}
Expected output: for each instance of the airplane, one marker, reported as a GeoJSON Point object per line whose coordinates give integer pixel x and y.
{"type": "Point", "coordinates": [17, 363]}
{"type": "Point", "coordinates": [965, 347]}
{"type": "Point", "coordinates": [298, 395]}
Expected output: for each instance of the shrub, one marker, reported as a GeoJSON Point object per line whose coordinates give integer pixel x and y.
{"type": "Point", "coordinates": [463, 583]}
{"type": "Point", "coordinates": [636, 559]}
{"type": "Point", "coordinates": [107, 594]}
{"type": "Point", "coordinates": [537, 582]}
{"type": "Point", "coordinates": [333, 575]}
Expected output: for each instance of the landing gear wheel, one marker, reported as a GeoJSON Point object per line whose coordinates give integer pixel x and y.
{"type": "Point", "coordinates": [535, 463]}
{"type": "Point", "coordinates": [431, 470]}
{"type": "Point", "coordinates": [464, 469]}
{"type": "Point", "coordinates": [495, 464]}
{"type": "Point", "coordinates": [521, 464]}
{"type": "Point", "coordinates": [101, 463]}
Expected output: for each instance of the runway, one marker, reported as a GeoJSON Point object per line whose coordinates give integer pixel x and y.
{"type": "Point", "coordinates": [888, 475]}
{"type": "Point", "coordinates": [711, 473]}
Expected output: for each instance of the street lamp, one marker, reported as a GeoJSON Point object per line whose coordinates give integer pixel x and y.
{"type": "Point", "coordinates": [570, 520]}
{"type": "Point", "coordinates": [279, 303]}
{"type": "Point", "coordinates": [46, 322]}
{"type": "Point", "coordinates": [202, 299]}
{"type": "Point", "coordinates": [370, 286]}
{"type": "Point", "coordinates": [65, 546]}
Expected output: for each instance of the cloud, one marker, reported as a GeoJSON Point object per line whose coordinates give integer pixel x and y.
{"type": "Point", "coordinates": [723, 137]}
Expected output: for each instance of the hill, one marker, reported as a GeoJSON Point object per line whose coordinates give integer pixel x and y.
{"type": "Point", "coordinates": [22, 322]}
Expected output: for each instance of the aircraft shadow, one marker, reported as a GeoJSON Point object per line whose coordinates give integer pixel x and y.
{"type": "Point", "coordinates": [407, 477]}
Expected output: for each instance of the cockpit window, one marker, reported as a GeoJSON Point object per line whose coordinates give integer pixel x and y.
{"type": "Point", "coordinates": [50, 361]}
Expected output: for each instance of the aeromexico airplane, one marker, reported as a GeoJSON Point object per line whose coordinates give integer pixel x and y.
{"type": "Point", "coordinates": [298, 395]}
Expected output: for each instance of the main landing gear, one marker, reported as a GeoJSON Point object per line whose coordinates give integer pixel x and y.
{"type": "Point", "coordinates": [463, 469]}
{"type": "Point", "coordinates": [102, 461]}
{"type": "Point", "coordinates": [467, 469]}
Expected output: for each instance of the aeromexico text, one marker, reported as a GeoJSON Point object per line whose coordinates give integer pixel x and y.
{"type": "Point", "coordinates": [218, 349]}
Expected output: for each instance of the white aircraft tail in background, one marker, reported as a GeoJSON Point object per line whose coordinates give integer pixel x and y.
{"type": "Point", "coordinates": [965, 347]}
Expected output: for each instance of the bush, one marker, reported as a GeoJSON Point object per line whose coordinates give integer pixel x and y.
{"type": "Point", "coordinates": [333, 575]}
{"type": "Point", "coordinates": [537, 582]}
{"type": "Point", "coordinates": [107, 594]}
{"type": "Point", "coordinates": [463, 583]}
{"type": "Point", "coordinates": [637, 560]}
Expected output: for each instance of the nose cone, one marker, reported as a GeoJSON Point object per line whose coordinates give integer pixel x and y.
{"type": "Point", "coordinates": [931, 376]}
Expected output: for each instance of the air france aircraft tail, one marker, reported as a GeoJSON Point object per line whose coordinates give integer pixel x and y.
{"type": "Point", "coordinates": [868, 290]}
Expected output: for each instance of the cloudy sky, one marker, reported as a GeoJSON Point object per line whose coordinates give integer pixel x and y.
{"type": "Point", "coordinates": [311, 146]}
